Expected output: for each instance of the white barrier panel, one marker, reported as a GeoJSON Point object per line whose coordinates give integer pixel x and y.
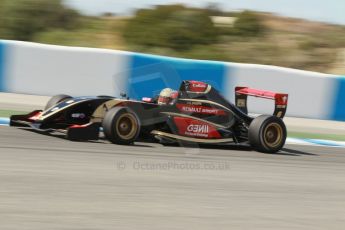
{"type": "Point", "coordinates": [48, 70]}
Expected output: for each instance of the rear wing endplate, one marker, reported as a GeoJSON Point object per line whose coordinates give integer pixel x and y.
{"type": "Point", "coordinates": [281, 99]}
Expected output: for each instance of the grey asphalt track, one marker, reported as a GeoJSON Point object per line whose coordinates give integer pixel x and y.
{"type": "Point", "coordinates": [50, 183]}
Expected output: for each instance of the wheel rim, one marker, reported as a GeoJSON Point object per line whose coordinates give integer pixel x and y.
{"type": "Point", "coordinates": [273, 135]}
{"type": "Point", "coordinates": [126, 126]}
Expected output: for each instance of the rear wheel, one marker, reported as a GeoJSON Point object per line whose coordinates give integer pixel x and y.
{"type": "Point", "coordinates": [267, 134]}
{"type": "Point", "coordinates": [56, 100]}
{"type": "Point", "coordinates": [121, 125]}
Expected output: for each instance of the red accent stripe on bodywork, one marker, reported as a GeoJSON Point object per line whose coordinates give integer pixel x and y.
{"type": "Point", "coordinates": [80, 126]}
{"type": "Point", "coordinates": [35, 116]}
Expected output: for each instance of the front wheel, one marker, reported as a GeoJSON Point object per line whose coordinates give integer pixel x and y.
{"type": "Point", "coordinates": [267, 134]}
{"type": "Point", "coordinates": [121, 126]}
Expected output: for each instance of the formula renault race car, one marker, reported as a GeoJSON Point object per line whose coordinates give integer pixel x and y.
{"type": "Point", "coordinates": [198, 114]}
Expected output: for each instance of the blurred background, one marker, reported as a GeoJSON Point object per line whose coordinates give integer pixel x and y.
{"type": "Point", "coordinates": [308, 35]}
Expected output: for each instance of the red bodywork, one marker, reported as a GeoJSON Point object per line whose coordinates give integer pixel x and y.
{"type": "Point", "coordinates": [197, 87]}
{"type": "Point", "coordinates": [35, 115]}
{"type": "Point", "coordinates": [195, 128]}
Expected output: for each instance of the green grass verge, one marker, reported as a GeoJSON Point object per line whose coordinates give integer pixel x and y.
{"type": "Point", "coordinates": [333, 137]}
{"type": "Point", "coordinates": [8, 113]}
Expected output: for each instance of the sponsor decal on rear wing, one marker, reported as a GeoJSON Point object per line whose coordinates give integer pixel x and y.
{"type": "Point", "coordinates": [280, 99]}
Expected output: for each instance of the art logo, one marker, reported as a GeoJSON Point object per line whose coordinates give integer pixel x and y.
{"type": "Point", "coordinates": [194, 109]}
{"type": "Point", "coordinates": [78, 115]}
{"type": "Point", "coordinates": [200, 109]}
{"type": "Point", "coordinates": [198, 129]}
{"type": "Point", "coordinates": [196, 86]}
{"type": "Point", "coordinates": [199, 85]}
{"type": "Point", "coordinates": [195, 128]}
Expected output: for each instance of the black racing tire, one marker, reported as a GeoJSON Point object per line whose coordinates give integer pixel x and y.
{"type": "Point", "coordinates": [121, 126]}
{"type": "Point", "coordinates": [56, 100]}
{"type": "Point", "coordinates": [267, 134]}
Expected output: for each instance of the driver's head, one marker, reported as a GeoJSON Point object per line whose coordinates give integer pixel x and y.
{"type": "Point", "coordinates": [166, 96]}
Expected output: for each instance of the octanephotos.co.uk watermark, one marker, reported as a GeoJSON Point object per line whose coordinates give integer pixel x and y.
{"type": "Point", "coordinates": [172, 165]}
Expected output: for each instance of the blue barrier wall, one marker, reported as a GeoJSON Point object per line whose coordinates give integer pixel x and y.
{"type": "Point", "coordinates": [32, 68]}
{"type": "Point", "coordinates": [150, 73]}
{"type": "Point", "coordinates": [339, 105]}
{"type": "Point", "coordinates": [2, 66]}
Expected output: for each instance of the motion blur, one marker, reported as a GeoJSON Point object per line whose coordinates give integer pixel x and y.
{"type": "Point", "coordinates": [209, 33]}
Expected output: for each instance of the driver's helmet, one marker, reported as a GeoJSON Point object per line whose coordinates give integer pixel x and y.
{"type": "Point", "coordinates": [167, 96]}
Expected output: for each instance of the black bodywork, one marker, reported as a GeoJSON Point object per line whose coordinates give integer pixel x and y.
{"type": "Point", "coordinates": [81, 117]}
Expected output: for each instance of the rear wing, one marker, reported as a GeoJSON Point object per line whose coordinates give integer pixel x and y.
{"type": "Point", "coordinates": [281, 99]}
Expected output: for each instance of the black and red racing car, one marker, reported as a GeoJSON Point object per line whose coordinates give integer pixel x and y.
{"type": "Point", "coordinates": [196, 113]}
